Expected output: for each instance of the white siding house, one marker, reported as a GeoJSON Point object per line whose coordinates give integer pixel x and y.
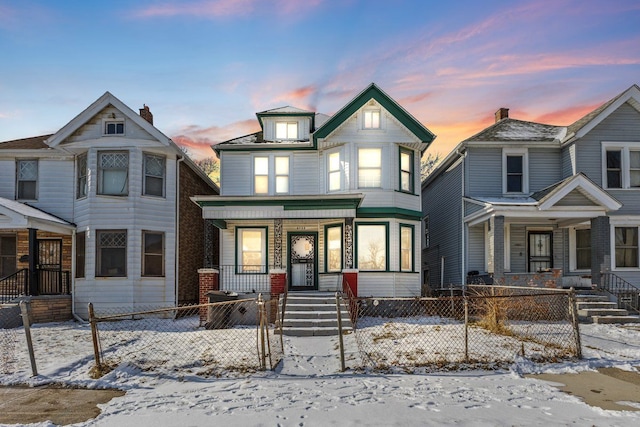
{"type": "Point", "coordinates": [315, 197]}
{"type": "Point", "coordinates": [118, 185]}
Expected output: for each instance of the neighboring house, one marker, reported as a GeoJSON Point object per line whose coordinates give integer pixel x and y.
{"type": "Point", "coordinates": [311, 197]}
{"type": "Point", "coordinates": [529, 203]}
{"type": "Point", "coordinates": [101, 209]}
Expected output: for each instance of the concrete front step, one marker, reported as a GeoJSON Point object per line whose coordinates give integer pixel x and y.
{"type": "Point", "coordinates": [315, 323]}
{"type": "Point", "coordinates": [294, 306]}
{"type": "Point", "coordinates": [308, 314]}
{"type": "Point", "coordinates": [587, 305]}
{"type": "Point", "coordinates": [313, 315]}
{"type": "Point", "coordinates": [312, 332]}
{"type": "Point", "coordinates": [590, 312]}
{"type": "Point", "coordinates": [615, 319]}
{"type": "Point", "coordinates": [591, 298]}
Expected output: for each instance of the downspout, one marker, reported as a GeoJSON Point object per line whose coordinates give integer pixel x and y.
{"type": "Point", "coordinates": [462, 240]}
{"type": "Point", "coordinates": [177, 243]}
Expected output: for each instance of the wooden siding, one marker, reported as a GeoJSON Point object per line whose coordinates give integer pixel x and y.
{"type": "Point", "coordinates": [484, 169]}
{"type": "Point", "coordinates": [545, 168]}
{"type": "Point", "coordinates": [442, 202]}
{"type": "Point", "coordinates": [475, 252]}
{"type": "Point", "coordinates": [235, 174]}
{"type": "Point", "coordinates": [568, 161]}
{"type": "Point", "coordinates": [8, 178]}
{"type": "Point", "coordinates": [575, 198]}
{"type": "Point", "coordinates": [93, 129]}
{"type": "Point", "coordinates": [305, 173]}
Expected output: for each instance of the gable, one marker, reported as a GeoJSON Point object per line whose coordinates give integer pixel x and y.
{"type": "Point", "coordinates": [373, 92]}
{"type": "Point", "coordinates": [94, 128]}
{"type": "Point", "coordinates": [576, 198]}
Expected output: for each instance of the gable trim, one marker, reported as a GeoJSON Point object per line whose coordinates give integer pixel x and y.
{"type": "Point", "coordinates": [587, 187]}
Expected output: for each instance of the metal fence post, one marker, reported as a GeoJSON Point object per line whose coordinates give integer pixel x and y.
{"type": "Point", "coordinates": [263, 361]}
{"type": "Point", "coordinates": [466, 329]}
{"type": "Point", "coordinates": [340, 340]}
{"type": "Point", "coordinates": [94, 336]}
{"type": "Point", "coordinates": [24, 310]}
{"type": "Point", "coordinates": [574, 321]}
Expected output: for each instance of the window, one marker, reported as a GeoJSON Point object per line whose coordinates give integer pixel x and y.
{"type": "Point", "coordinates": [152, 254]}
{"type": "Point", "coordinates": [333, 255]}
{"type": "Point", "coordinates": [114, 128]}
{"type": "Point", "coordinates": [27, 179]}
{"type": "Point", "coordinates": [111, 253]}
{"type": "Point", "coordinates": [81, 246]}
{"type": "Point", "coordinates": [406, 247]}
{"type": "Point", "coordinates": [81, 186]}
{"type": "Point", "coordinates": [372, 246]}
{"type": "Point", "coordinates": [614, 168]}
{"type": "Point", "coordinates": [621, 165]}
{"type": "Point", "coordinates": [515, 167]}
{"type": "Point", "coordinates": [626, 240]}
{"type": "Point", "coordinates": [371, 119]}
{"type": "Point", "coordinates": [153, 175]}
{"type": "Point", "coordinates": [113, 171]}
{"type": "Point", "coordinates": [369, 167]}
{"type": "Point", "coordinates": [282, 175]}
{"type": "Point", "coordinates": [8, 250]}
{"type": "Point", "coordinates": [251, 245]}
{"type": "Point", "coordinates": [583, 249]}
{"type": "Point", "coordinates": [261, 175]}
{"type": "Point", "coordinates": [286, 130]}
{"type": "Point", "coordinates": [266, 182]}
{"type": "Point", "coordinates": [335, 176]}
{"type": "Point", "coordinates": [406, 171]}
{"type": "Point", "coordinates": [427, 235]}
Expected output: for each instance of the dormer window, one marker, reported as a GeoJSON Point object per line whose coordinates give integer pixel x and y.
{"type": "Point", "coordinates": [114, 128]}
{"type": "Point", "coordinates": [286, 130]}
{"type": "Point", "coordinates": [371, 119]}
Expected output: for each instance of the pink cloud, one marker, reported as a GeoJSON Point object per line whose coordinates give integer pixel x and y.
{"type": "Point", "coordinates": [198, 140]}
{"type": "Point", "coordinates": [214, 9]}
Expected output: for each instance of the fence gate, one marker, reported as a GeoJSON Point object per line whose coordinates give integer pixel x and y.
{"type": "Point", "coordinates": [50, 265]}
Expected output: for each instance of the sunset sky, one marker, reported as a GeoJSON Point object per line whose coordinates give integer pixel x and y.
{"type": "Point", "coordinates": [205, 67]}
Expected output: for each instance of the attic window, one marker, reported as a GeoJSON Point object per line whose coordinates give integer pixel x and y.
{"type": "Point", "coordinates": [114, 128]}
{"type": "Point", "coordinates": [371, 119]}
{"type": "Point", "coordinates": [286, 130]}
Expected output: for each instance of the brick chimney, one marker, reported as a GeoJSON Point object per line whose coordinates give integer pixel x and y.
{"type": "Point", "coordinates": [146, 114]}
{"type": "Point", "coordinates": [502, 113]}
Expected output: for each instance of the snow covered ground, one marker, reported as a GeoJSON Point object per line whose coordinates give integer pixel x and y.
{"type": "Point", "coordinates": [308, 389]}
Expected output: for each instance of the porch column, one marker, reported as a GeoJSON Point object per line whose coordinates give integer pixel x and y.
{"type": "Point", "coordinates": [498, 250]}
{"type": "Point", "coordinates": [600, 247]}
{"type": "Point", "coordinates": [277, 242]}
{"type": "Point", "coordinates": [348, 243]}
{"type": "Point", "coordinates": [209, 244]}
{"type": "Point", "coordinates": [34, 279]}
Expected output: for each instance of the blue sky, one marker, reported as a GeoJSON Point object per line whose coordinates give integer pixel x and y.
{"type": "Point", "coordinates": [205, 67]}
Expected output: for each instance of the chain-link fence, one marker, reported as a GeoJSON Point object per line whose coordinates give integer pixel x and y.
{"type": "Point", "coordinates": [10, 327]}
{"type": "Point", "coordinates": [206, 340]}
{"type": "Point", "coordinates": [484, 327]}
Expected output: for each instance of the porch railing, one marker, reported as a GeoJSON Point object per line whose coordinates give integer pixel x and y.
{"type": "Point", "coordinates": [51, 282]}
{"type": "Point", "coordinates": [245, 278]}
{"type": "Point", "coordinates": [14, 285]}
{"type": "Point", "coordinates": [627, 294]}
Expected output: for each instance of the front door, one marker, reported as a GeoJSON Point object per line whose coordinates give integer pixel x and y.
{"type": "Point", "coordinates": [303, 269]}
{"type": "Point", "coordinates": [540, 250]}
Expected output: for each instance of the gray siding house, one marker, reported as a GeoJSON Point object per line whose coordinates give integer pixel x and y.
{"type": "Point", "coordinates": [534, 204]}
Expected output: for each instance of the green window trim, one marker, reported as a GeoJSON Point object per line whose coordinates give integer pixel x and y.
{"type": "Point", "coordinates": [357, 241]}
{"type": "Point", "coordinates": [411, 268]}
{"type": "Point", "coordinates": [265, 250]}
{"type": "Point", "coordinates": [409, 172]}
{"type": "Point", "coordinates": [326, 247]}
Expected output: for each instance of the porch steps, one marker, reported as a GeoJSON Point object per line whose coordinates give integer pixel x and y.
{"type": "Point", "coordinates": [313, 314]}
{"type": "Point", "coordinates": [596, 308]}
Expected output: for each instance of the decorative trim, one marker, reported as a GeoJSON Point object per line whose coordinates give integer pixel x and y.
{"type": "Point", "coordinates": [389, 212]}
{"type": "Point", "coordinates": [277, 242]}
{"type": "Point", "coordinates": [348, 243]}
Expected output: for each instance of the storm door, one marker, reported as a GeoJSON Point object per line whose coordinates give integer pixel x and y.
{"type": "Point", "coordinates": [303, 261]}
{"type": "Point", "coordinates": [50, 266]}
{"type": "Point", "coordinates": [540, 251]}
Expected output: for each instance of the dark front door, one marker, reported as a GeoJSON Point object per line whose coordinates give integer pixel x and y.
{"type": "Point", "coordinates": [303, 261]}
{"type": "Point", "coordinates": [540, 250]}
{"type": "Point", "coordinates": [50, 266]}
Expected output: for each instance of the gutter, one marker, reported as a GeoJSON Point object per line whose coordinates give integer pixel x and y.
{"type": "Point", "coordinates": [463, 156]}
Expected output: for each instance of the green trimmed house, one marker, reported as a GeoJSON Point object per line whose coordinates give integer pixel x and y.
{"type": "Point", "coordinates": [313, 198]}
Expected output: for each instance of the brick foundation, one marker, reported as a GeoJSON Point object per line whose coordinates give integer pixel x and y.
{"type": "Point", "coordinates": [50, 308]}
{"type": "Point", "coordinates": [278, 281]}
{"type": "Point", "coordinates": [209, 281]}
{"type": "Point", "coordinates": [351, 277]}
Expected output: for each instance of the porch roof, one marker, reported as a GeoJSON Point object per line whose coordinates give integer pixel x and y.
{"type": "Point", "coordinates": [570, 201]}
{"type": "Point", "coordinates": [17, 215]}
